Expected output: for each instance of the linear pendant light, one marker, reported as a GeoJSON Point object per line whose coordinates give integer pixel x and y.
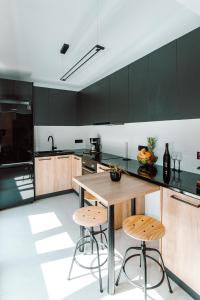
{"type": "Point", "coordinates": [82, 61]}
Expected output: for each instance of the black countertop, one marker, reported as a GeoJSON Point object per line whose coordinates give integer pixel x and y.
{"type": "Point", "coordinates": [183, 182]}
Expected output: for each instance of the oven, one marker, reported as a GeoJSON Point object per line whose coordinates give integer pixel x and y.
{"type": "Point", "coordinates": [89, 165]}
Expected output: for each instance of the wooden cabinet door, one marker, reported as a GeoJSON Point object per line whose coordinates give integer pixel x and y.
{"type": "Point", "coordinates": [63, 173]}
{"type": "Point", "coordinates": [119, 100]}
{"type": "Point", "coordinates": [76, 170]}
{"type": "Point", "coordinates": [181, 243]}
{"type": "Point", "coordinates": [44, 175]}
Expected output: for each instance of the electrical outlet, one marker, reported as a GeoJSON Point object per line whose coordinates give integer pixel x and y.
{"type": "Point", "coordinates": [78, 141]}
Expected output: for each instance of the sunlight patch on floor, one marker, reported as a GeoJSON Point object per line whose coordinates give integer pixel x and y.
{"type": "Point", "coordinates": [43, 222]}
{"type": "Point", "coordinates": [53, 243]}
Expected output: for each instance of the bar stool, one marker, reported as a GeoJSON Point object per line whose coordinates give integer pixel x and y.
{"type": "Point", "coordinates": [89, 197]}
{"type": "Point", "coordinates": [144, 229]}
{"type": "Point", "coordinates": [90, 217]}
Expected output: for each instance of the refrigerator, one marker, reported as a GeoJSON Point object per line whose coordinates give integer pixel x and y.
{"type": "Point", "coordinates": [16, 153]}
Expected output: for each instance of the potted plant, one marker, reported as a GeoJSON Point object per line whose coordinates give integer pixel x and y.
{"type": "Point", "coordinates": [115, 172]}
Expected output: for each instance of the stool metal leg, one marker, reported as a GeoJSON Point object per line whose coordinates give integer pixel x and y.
{"type": "Point", "coordinates": [98, 258]}
{"type": "Point", "coordinates": [168, 281]}
{"type": "Point", "coordinates": [101, 237]}
{"type": "Point", "coordinates": [74, 255]}
{"type": "Point", "coordinates": [122, 266]}
{"type": "Point", "coordinates": [91, 240]}
{"type": "Point", "coordinates": [143, 245]}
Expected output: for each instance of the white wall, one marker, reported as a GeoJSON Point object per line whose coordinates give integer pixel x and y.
{"type": "Point", "coordinates": [64, 137]}
{"type": "Point", "coordinates": [183, 135]}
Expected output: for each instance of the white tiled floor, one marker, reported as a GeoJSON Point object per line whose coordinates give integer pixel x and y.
{"type": "Point", "coordinates": [36, 246]}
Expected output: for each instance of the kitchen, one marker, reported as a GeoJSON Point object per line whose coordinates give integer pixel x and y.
{"type": "Point", "coordinates": [80, 104]}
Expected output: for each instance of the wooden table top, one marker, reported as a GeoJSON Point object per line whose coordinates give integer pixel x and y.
{"type": "Point", "coordinates": [108, 192]}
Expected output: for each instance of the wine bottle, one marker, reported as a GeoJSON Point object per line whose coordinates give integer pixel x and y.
{"type": "Point", "coordinates": [166, 158]}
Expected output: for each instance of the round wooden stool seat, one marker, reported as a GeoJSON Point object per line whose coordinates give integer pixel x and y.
{"type": "Point", "coordinates": [89, 197]}
{"type": "Point", "coordinates": [143, 228]}
{"type": "Point", "coordinates": [90, 216]}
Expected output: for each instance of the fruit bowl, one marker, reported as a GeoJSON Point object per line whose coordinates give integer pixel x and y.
{"type": "Point", "coordinates": [146, 157]}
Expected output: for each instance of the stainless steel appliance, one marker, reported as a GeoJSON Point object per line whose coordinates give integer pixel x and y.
{"type": "Point", "coordinates": [89, 165]}
{"type": "Point", "coordinates": [16, 153]}
{"type": "Point", "coordinates": [96, 145]}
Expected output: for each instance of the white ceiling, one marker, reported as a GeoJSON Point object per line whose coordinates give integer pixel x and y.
{"type": "Point", "coordinates": [33, 31]}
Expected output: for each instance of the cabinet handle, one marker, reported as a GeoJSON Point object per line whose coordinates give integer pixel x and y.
{"type": "Point", "coordinates": [76, 158]}
{"type": "Point", "coordinates": [61, 157]}
{"type": "Point", "coordinates": [100, 168]}
{"type": "Point", "coordinates": [45, 158]}
{"type": "Point", "coordinates": [181, 200]}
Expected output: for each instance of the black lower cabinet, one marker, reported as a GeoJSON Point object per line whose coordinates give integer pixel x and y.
{"type": "Point", "coordinates": [119, 96]}
{"type": "Point", "coordinates": [139, 104]}
{"type": "Point", "coordinates": [188, 65]}
{"type": "Point", "coordinates": [163, 84]}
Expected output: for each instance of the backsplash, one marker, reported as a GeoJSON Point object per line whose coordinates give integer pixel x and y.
{"type": "Point", "coordinates": [181, 134]}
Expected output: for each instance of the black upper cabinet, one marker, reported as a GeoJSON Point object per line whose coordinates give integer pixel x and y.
{"type": "Point", "coordinates": [163, 83]}
{"type": "Point", "coordinates": [84, 109]}
{"type": "Point", "coordinates": [100, 103]}
{"type": "Point", "coordinates": [41, 109]}
{"type": "Point", "coordinates": [119, 97]}
{"type": "Point", "coordinates": [16, 90]}
{"type": "Point", "coordinates": [23, 90]}
{"type": "Point", "coordinates": [188, 64]}
{"type": "Point", "coordinates": [62, 105]}
{"type": "Point", "coordinates": [139, 109]}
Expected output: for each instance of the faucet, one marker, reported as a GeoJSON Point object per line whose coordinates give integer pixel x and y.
{"type": "Point", "coordinates": [53, 147]}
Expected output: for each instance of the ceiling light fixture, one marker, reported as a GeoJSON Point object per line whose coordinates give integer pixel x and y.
{"type": "Point", "coordinates": [82, 61]}
{"type": "Point", "coordinates": [64, 48]}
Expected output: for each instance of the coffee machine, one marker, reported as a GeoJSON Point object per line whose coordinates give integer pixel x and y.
{"type": "Point", "coordinates": [96, 145]}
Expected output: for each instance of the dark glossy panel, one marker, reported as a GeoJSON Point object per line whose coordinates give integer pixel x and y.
{"type": "Point", "coordinates": [139, 109]}
{"type": "Point", "coordinates": [41, 106]}
{"type": "Point", "coordinates": [163, 84]}
{"type": "Point", "coordinates": [16, 137]}
{"type": "Point", "coordinates": [119, 100]}
{"type": "Point", "coordinates": [62, 107]}
{"type": "Point", "coordinates": [16, 186]}
{"type": "Point", "coordinates": [6, 88]}
{"type": "Point", "coordinates": [188, 64]}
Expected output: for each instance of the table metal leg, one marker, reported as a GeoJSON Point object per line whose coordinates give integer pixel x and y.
{"type": "Point", "coordinates": [81, 204]}
{"type": "Point", "coordinates": [111, 249]}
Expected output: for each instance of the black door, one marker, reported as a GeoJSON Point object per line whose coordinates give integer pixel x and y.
{"type": "Point", "coordinates": [41, 106]}
{"type": "Point", "coordinates": [188, 63]}
{"type": "Point", "coordinates": [139, 109]}
{"type": "Point", "coordinates": [119, 100]}
{"type": "Point", "coordinates": [163, 83]}
{"type": "Point", "coordinates": [62, 107]}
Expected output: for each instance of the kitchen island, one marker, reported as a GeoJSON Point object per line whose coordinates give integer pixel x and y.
{"type": "Point", "coordinates": [111, 193]}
